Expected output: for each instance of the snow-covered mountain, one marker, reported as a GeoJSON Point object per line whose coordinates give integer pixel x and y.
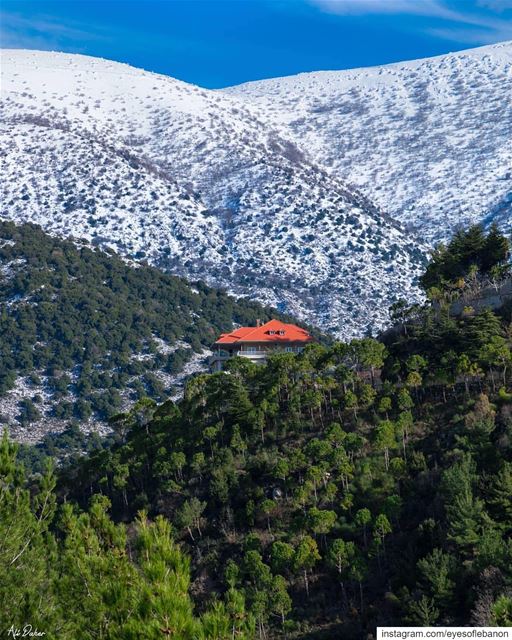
{"type": "Point", "coordinates": [252, 188]}
{"type": "Point", "coordinates": [430, 141]}
{"type": "Point", "coordinates": [193, 181]}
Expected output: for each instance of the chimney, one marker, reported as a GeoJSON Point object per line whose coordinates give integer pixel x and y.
{"type": "Point", "coordinates": [258, 322]}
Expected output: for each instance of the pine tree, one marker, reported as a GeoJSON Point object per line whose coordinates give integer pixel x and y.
{"type": "Point", "coordinates": [496, 249]}
{"type": "Point", "coordinates": [306, 556]}
{"type": "Point", "coordinates": [436, 570]}
{"type": "Point", "coordinates": [28, 557]}
{"type": "Point", "coordinates": [423, 612]}
{"type": "Point", "coordinates": [500, 492]}
{"type": "Point", "coordinates": [467, 520]}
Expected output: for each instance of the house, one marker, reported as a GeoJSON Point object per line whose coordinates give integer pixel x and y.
{"type": "Point", "coordinates": [257, 343]}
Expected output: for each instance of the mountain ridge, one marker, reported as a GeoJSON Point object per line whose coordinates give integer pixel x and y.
{"type": "Point", "coordinates": [303, 215]}
{"type": "Point", "coordinates": [238, 205]}
{"type": "Point", "coordinates": [372, 124]}
{"type": "Point", "coordinates": [409, 62]}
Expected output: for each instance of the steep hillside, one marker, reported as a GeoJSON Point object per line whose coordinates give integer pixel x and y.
{"type": "Point", "coordinates": [252, 188]}
{"type": "Point", "coordinates": [197, 182]}
{"type": "Point", "coordinates": [430, 141]}
{"type": "Point", "coordinates": [84, 335]}
{"type": "Point", "coordinates": [331, 505]}
{"type": "Point", "coordinates": [327, 493]}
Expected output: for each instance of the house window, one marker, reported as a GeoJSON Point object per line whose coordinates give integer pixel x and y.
{"type": "Point", "coordinates": [289, 349]}
{"type": "Point", "coordinates": [281, 332]}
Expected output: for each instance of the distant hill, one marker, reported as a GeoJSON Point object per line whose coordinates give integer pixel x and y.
{"type": "Point", "coordinates": [83, 333]}
{"type": "Point", "coordinates": [198, 183]}
{"type": "Point", "coordinates": [319, 194]}
{"type": "Point", "coordinates": [429, 141]}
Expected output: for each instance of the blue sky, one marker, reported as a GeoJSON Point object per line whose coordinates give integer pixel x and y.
{"type": "Point", "coordinates": [215, 43]}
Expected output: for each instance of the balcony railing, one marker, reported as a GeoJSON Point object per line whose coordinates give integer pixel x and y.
{"type": "Point", "coordinates": [254, 352]}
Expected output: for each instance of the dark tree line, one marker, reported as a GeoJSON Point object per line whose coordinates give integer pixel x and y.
{"type": "Point", "coordinates": [469, 254]}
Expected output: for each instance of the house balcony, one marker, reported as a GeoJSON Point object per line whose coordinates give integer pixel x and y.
{"type": "Point", "coordinates": [254, 354]}
{"type": "Point", "coordinates": [217, 360]}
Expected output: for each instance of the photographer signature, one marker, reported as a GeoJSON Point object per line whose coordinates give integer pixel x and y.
{"type": "Point", "coordinates": [27, 631]}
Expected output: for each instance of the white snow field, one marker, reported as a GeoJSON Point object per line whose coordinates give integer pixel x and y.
{"type": "Point", "coordinates": [318, 193]}
{"type": "Point", "coordinates": [429, 140]}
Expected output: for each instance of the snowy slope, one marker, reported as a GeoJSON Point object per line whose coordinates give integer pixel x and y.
{"type": "Point", "coordinates": [198, 182]}
{"type": "Point", "coordinates": [430, 141]}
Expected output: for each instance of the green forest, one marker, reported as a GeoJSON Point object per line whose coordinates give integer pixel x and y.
{"type": "Point", "coordinates": [351, 486]}
{"type": "Point", "coordinates": [83, 326]}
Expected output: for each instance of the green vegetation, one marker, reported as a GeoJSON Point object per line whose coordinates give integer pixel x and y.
{"type": "Point", "coordinates": [66, 447]}
{"type": "Point", "coordinates": [332, 504]}
{"type": "Point", "coordinates": [89, 323]}
{"type": "Point", "coordinates": [470, 256]}
{"type": "Point", "coordinates": [78, 575]}
{"type": "Point", "coordinates": [347, 487]}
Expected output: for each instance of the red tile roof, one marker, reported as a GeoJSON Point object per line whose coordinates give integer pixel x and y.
{"type": "Point", "coordinates": [268, 332]}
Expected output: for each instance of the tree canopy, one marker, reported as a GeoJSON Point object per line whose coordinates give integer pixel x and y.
{"type": "Point", "coordinates": [470, 252]}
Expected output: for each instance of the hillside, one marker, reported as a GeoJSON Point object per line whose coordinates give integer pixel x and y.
{"type": "Point", "coordinates": [350, 486]}
{"type": "Point", "coordinates": [85, 334]}
{"type": "Point", "coordinates": [318, 194]}
{"type": "Point", "coordinates": [428, 140]}
{"type": "Point", "coordinates": [400, 516]}
{"type": "Point", "coordinates": [317, 505]}
{"type": "Point", "coordinates": [198, 183]}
